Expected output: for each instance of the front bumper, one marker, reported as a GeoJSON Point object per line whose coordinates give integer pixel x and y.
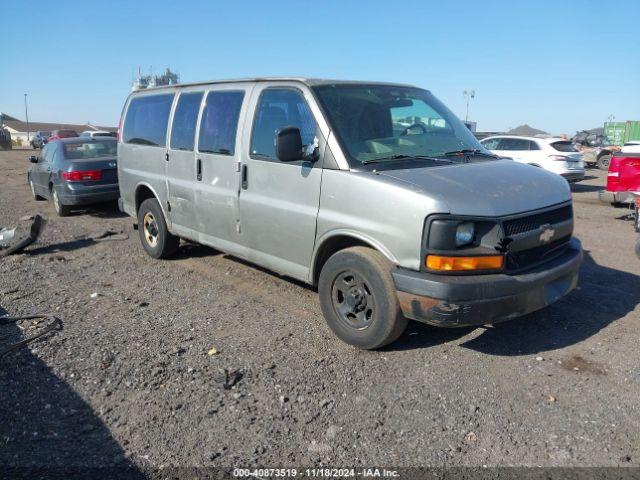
{"type": "Point", "coordinates": [463, 300]}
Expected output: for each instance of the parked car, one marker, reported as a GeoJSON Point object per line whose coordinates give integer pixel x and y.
{"type": "Point", "coordinates": [39, 139]}
{"type": "Point", "coordinates": [553, 154]}
{"type": "Point", "coordinates": [97, 133]}
{"type": "Point", "coordinates": [375, 193]}
{"type": "Point", "coordinates": [60, 134]}
{"type": "Point", "coordinates": [75, 171]}
{"type": "Point", "coordinates": [596, 149]}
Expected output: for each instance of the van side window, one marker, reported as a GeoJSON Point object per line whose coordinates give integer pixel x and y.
{"type": "Point", "coordinates": [147, 119]}
{"type": "Point", "coordinates": [185, 118]}
{"type": "Point", "coordinates": [277, 108]}
{"type": "Point", "coordinates": [219, 122]}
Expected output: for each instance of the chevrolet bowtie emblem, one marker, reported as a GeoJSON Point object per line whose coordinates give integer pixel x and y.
{"type": "Point", "coordinates": [547, 233]}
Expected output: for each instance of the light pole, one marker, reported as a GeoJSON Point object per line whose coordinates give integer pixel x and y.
{"type": "Point", "coordinates": [26, 114]}
{"type": "Point", "coordinates": [468, 95]}
{"type": "Point", "coordinates": [611, 118]}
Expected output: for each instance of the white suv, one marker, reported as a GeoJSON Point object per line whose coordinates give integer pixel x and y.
{"type": "Point", "coordinates": [554, 154]}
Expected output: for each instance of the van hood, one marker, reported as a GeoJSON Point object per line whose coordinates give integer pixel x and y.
{"type": "Point", "coordinates": [493, 188]}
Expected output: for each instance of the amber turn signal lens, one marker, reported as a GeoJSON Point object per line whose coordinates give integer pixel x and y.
{"type": "Point", "coordinates": [457, 264]}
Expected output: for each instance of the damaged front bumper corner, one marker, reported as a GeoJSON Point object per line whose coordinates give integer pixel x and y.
{"type": "Point", "coordinates": [464, 300]}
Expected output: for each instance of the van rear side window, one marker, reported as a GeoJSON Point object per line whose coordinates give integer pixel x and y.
{"type": "Point", "coordinates": [220, 122]}
{"type": "Point", "coordinates": [146, 120]}
{"type": "Point", "coordinates": [183, 131]}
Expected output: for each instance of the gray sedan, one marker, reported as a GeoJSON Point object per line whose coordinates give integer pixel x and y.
{"type": "Point", "coordinates": [75, 171]}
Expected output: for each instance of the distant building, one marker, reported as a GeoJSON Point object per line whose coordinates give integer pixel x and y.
{"type": "Point", "coordinates": [18, 128]}
{"type": "Point", "coordinates": [473, 126]}
{"type": "Point", "coordinates": [149, 81]}
{"type": "Point", "coordinates": [526, 131]}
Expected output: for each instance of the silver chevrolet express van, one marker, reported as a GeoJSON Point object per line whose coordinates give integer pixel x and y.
{"type": "Point", "coordinates": [375, 193]}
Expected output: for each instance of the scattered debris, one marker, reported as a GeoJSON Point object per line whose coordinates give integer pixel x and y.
{"type": "Point", "coordinates": [539, 359]}
{"type": "Point", "coordinates": [229, 378]}
{"type": "Point", "coordinates": [213, 351]}
{"type": "Point", "coordinates": [94, 295]}
{"type": "Point", "coordinates": [551, 399]}
{"type": "Point", "coordinates": [52, 323]}
{"type": "Point", "coordinates": [471, 437]}
{"type": "Point", "coordinates": [110, 235]}
{"type": "Point", "coordinates": [11, 243]}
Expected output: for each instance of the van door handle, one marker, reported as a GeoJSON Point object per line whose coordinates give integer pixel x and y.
{"type": "Point", "coordinates": [245, 181]}
{"type": "Point", "coordinates": [199, 170]}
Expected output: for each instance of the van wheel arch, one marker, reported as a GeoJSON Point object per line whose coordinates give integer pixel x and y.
{"type": "Point", "coordinates": [332, 246]}
{"type": "Point", "coordinates": [142, 193]}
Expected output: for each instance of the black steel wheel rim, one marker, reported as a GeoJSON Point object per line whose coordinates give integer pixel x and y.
{"type": "Point", "coordinates": [352, 300]}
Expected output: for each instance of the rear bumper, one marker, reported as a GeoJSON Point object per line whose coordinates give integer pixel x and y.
{"type": "Point", "coordinates": [457, 301]}
{"type": "Point", "coordinates": [90, 195]}
{"type": "Point", "coordinates": [616, 197]}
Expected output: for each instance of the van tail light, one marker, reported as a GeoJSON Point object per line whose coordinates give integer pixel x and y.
{"type": "Point", "coordinates": [560, 158]}
{"type": "Point", "coordinates": [82, 175]}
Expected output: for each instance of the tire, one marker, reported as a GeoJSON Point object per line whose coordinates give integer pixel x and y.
{"type": "Point", "coordinates": [358, 298]}
{"type": "Point", "coordinates": [61, 210]}
{"type": "Point", "coordinates": [154, 235]}
{"type": "Point", "coordinates": [603, 162]}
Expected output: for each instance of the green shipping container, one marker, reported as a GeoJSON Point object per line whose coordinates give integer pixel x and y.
{"type": "Point", "coordinates": [615, 132]}
{"type": "Point", "coordinates": [632, 131]}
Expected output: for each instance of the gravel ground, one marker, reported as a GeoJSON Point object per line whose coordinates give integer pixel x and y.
{"type": "Point", "coordinates": [129, 380]}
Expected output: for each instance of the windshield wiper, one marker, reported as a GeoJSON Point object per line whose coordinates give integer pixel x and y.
{"type": "Point", "coordinates": [403, 157]}
{"type": "Point", "coordinates": [469, 151]}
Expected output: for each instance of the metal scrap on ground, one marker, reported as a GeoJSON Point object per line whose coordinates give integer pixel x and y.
{"type": "Point", "coordinates": [10, 242]}
{"type": "Point", "coordinates": [53, 323]}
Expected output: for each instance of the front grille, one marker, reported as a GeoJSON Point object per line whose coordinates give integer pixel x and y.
{"type": "Point", "coordinates": [517, 261]}
{"type": "Point", "coordinates": [533, 222]}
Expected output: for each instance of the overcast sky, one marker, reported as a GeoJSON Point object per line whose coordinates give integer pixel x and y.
{"type": "Point", "coordinates": [557, 65]}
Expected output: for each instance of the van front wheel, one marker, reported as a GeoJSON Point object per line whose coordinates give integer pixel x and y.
{"type": "Point", "coordinates": [358, 298]}
{"type": "Point", "coordinates": [154, 235]}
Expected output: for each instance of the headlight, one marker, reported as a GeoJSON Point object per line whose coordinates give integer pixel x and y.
{"type": "Point", "coordinates": [465, 233]}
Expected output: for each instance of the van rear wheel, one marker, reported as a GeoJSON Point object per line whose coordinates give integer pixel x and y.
{"type": "Point", "coordinates": [152, 227]}
{"type": "Point", "coordinates": [358, 298]}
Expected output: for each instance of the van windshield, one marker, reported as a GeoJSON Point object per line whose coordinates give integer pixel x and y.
{"type": "Point", "coordinates": [379, 123]}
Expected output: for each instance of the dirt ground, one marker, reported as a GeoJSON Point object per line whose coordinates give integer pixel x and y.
{"type": "Point", "coordinates": [129, 381]}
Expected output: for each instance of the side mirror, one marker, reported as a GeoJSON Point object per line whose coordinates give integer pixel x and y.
{"type": "Point", "coordinates": [288, 144]}
{"type": "Point", "coordinates": [33, 159]}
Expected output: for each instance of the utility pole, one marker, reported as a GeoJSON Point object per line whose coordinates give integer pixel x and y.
{"type": "Point", "coordinates": [26, 114]}
{"type": "Point", "coordinates": [468, 95]}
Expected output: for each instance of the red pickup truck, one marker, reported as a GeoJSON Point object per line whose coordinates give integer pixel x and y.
{"type": "Point", "coordinates": [624, 176]}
